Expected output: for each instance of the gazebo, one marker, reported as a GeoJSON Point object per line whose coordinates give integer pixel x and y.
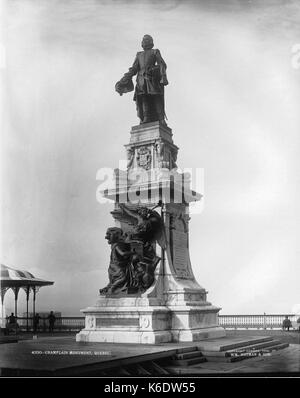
{"type": "Point", "coordinates": [18, 279]}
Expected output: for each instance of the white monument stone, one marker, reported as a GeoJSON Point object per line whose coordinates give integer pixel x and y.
{"type": "Point", "coordinates": [175, 307]}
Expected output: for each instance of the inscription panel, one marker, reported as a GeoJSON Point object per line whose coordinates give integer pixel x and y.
{"type": "Point", "coordinates": [180, 249]}
{"type": "Point", "coordinates": [107, 322]}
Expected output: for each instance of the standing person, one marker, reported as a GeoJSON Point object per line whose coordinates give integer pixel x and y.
{"type": "Point", "coordinates": [12, 324]}
{"type": "Point", "coordinates": [36, 321]}
{"type": "Point", "coordinates": [12, 319]}
{"type": "Point", "coordinates": [51, 318]}
{"type": "Point", "coordinates": [286, 324]}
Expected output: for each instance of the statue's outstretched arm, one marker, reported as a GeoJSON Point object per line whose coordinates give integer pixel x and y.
{"type": "Point", "coordinates": [133, 70]}
{"type": "Point", "coordinates": [125, 85]}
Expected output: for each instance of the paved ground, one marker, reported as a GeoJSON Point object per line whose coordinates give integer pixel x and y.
{"type": "Point", "coordinates": [61, 352]}
{"type": "Point", "coordinates": [57, 353]}
{"type": "Point", "coordinates": [291, 337]}
{"type": "Point", "coordinates": [284, 362]}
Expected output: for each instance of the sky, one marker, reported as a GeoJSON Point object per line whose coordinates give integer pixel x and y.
{"type": "Point", "coordinates": [233, 106]}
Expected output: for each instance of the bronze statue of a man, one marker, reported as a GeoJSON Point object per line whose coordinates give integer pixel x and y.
{"type": "Point", "coordinates": [150, 69]}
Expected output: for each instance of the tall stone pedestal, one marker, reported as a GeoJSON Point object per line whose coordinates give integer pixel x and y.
{"type": "Point", "coordinates": [127, 320]}
{"type": "Point", "coordinates": [175, 307]}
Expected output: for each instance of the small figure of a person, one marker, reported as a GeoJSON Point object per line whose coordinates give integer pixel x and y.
{"type": "Point", "coordinates": [12, 319]}
{"type": "Point", "coordinates": [36, 321]}
{"type": "Point", "coordinates": [12, 324]}
{"type": "Point", "coordinates": [51, 319]}
{"type": "Point", "coordinates": [286, 324]}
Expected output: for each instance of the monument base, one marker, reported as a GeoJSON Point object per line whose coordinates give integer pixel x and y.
{"type": "Point", "coordinates": [152, 215]}
{"type": "Point", "coordinates": [195, 323]}
{"type": "Point", "coordinates": [126, 320]}
{"type": "Point", "coordinates": [123, 336]}
{"type": "Point", "coordinates": [140, 320]}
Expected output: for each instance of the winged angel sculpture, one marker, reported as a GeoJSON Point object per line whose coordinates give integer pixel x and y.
{"type": "Point", "coordinates": [133, 258]}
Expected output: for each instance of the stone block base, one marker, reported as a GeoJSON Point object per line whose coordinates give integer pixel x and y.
{"type": "Point", "coordinates": [181, 335]}
{"type": "Point", "coordinates": [194, 323]}
{"type": "Point", "coordinates": [124, 336]}
{"type": "Point", "coordinates": [127, 322]}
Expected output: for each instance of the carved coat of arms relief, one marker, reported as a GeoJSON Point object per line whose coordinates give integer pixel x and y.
{"type": "Point", "coordinates": [144, 157]}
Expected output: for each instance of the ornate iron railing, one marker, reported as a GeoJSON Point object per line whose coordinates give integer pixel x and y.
{"type": "Point", "coordinates": [257, 321]}
{"type": "Point", "coordinates": [61, 324]}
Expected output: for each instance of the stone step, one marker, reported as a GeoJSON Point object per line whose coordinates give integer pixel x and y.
{"type": "Point", "coordinates": [189, 355]}
{"type": "Point", "coordinates": [188, 362]}
{"type": "Point", "coordinates": [186, 349]}
{"type": "Point", "coordinates": [220, 354]}
{"type": "Point", "coordinates": [229, 356]}
{"type": "Point", "coordinates": [227, 359]}
{"type": "Point", "coordinates": [228, 353]}
{"type": "Point", "coordinates": [245, 343]}
{"type": "Point", "coordinates": [236, 344]}
{"type": "Point", "coordinates": [256, 346]}
{"type": "Point", "coordinates": [276, 347]}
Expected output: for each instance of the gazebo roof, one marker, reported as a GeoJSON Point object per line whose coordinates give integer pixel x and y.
{"type": "Point", "coordinates": [10, 277]}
